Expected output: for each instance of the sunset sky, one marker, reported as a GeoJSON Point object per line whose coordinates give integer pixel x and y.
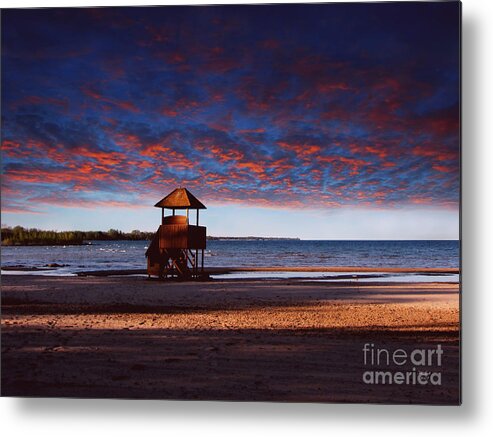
{"type": "Point", "coordinates": [315, 121]}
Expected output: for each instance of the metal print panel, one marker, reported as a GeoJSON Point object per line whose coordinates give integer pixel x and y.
{"type": "Point", "coordinates": [248, 202]}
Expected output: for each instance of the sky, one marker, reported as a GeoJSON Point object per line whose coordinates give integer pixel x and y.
{"type": "Point", "coordinates": [329, 121]}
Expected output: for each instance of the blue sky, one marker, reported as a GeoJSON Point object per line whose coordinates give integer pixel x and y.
{"type": "Point", "coordinates": [317, 121]}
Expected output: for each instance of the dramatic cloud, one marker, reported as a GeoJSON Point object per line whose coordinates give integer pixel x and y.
{"type": "Point", "coordinates": [315, 106]}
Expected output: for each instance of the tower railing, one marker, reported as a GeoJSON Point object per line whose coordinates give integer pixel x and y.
{"type": "Point", "coordinates": [174, 252]}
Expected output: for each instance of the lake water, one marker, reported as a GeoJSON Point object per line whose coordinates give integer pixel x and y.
{"type": "Point", "coordinates": [116, 255]}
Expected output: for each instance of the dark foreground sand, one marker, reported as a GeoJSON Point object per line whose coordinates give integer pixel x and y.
{"type": "Point", "coordinates": [287, 340]}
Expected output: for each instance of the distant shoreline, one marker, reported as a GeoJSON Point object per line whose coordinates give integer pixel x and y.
{"type": "Point", "coordinates": [89, 242]}
{"type": "Point", "coordinates": [35, 244]}
{"type": "Point", "coordinates": [209, 238]}
{"type": "Point", "coordinates": [20, 236]}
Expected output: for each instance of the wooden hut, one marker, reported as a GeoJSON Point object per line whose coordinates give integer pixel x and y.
{"type": "Point", "coordinates": [177, 249]}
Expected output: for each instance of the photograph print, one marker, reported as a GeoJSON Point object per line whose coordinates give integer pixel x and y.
{"type": "Point", "coordinates": [235, 202]}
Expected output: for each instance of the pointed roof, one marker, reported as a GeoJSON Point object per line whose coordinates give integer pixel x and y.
{"type": "Point", "coordinates": [180, 198]}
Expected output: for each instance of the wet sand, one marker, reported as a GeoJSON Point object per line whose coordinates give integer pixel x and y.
{"type": "Point", "coordinates": [280, 340]}
{"type": "Point", "coordinates": [302, 269]}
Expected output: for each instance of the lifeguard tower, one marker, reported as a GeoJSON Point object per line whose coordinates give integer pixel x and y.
{"type": "Point", "coordinates": [177, 245]}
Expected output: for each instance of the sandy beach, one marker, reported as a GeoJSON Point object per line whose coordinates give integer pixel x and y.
{"type": "Point", "coordinates": [268, 340]}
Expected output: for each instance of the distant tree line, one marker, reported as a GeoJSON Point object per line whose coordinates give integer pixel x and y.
{"type": "Point", "coordinates": [20, 236]}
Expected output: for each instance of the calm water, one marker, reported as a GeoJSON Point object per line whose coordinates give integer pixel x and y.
{"type": "Point", "coordinates": [112, 255]}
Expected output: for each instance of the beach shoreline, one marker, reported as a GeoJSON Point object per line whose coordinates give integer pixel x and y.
{"type": "Point", "coordinates": [284, 340]}
{"type": "Point", "coordinates": [226, 270]}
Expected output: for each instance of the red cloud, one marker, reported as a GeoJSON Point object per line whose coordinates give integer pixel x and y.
{"type": "Point", "coordinates": [122, 104]}
{"type": "Point", "coordinates": [180, 106]}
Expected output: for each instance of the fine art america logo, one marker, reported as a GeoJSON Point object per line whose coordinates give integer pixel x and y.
{"type": "Point", "coordinates": [387, 366]}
